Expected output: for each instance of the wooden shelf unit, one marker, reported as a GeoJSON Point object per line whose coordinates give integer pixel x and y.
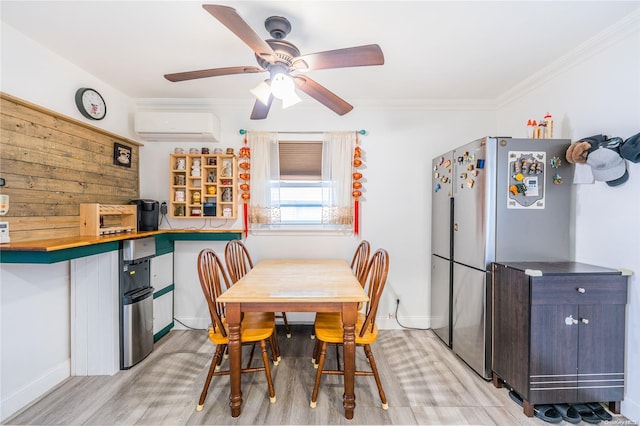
{"type": "Point", "coordinates": [103, 219]}
{"type": "Point", "coordinates": [212, 193]}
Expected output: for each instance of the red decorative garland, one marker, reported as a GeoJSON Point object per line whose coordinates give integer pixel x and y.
{"type": "Point", "coordinates": [245, 219]}
{"type": "Point", "coordinates": [245, 153]}
{"type": "Point", "coordinates": [356, 213]}
{"type": "Point", "coordinates": [357, 185]}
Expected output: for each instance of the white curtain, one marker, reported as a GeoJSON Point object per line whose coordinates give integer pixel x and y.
{"type": "Point", "coordinates": [337, 168]}
{"type": "Point", "coordinates": [264, 204]}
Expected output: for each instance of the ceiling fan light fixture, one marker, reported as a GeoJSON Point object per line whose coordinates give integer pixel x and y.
{"type": "Point", "coordinates": [262, 92]}
{"type": "Point", "coordinates": [290, 100]}
{"type": "Point", "coordinates": [282, 86]}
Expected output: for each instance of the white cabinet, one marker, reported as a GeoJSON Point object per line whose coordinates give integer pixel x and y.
{"type": "Point", "coordinates": [162, 271]}
{"type": "Point", "coordinates": [95, 340]}
{"type": "Point", "coordinates": [162, 283]}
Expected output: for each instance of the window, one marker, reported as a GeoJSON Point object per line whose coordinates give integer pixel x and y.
{"type": "Point", "coordinates": [300, 202]}
{"type": "Point", "coordinates": [299, 188]}
{"type": "Point", "coordinates": [301, 184]}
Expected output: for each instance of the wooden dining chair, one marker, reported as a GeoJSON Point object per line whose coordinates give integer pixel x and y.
{"type": "Point", "coordinates": [329, 332]}
{"type": "Point", "coordinates": [360, 261]}
{"type": "Point", "coordinates": [359, 265]}
{"type": "Point", "coordinates": [239, 262]}
{"type": "Point", "coordinates": [255, 327]}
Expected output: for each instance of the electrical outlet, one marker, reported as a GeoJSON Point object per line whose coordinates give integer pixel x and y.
{"type": "Point", "coordinates": [390, 315]}
{"type": "Point", "coordinates": [4, 232]}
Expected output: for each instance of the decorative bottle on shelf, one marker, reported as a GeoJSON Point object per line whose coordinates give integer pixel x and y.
{"type": "Point", "coordinates": [195, 168]}
{"type": "Point", "coordinates": [548, 128]}
{"type": "Point", "coordinates": [226, 168]}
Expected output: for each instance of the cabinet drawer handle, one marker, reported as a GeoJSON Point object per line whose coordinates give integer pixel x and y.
{"type": "Point", "coordinates": [581, 290]}
{"type": "Point", "coordinates": [570, 320]}
{"type": "Point", "coordinates": [584, 320]}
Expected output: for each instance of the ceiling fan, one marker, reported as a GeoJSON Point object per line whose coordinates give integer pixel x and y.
{"type": "Point", "coordinates": [282, 60]}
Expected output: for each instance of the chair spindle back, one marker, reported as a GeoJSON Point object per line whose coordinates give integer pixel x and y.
{"type": "Point", "coordinates": [360, 261]}
{"type": "Point", "coordinates": [377, 271]}
{"type": "Point", "coordinates": [238, 260]}
{"type": "Point", "coordinates": [214, 282]}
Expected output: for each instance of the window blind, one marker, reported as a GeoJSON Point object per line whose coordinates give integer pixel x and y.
{"type": "Point", "coordinates": [300, 160]}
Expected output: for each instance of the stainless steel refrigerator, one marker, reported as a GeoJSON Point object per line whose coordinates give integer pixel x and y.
{"type": "Point", "coordinates": [494, 199]}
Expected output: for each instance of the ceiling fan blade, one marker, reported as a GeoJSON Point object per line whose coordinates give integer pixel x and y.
{"type": "Point", "coordinates": [213, 72]}
{"type": "Point", "coordinates": [260, 110]}
{"type": "Point", "coordinates": [370, 54]}
{"type": "Point", "coordinates": [322, 95]}
{"type": "Point", "coordinates": [230, 19]}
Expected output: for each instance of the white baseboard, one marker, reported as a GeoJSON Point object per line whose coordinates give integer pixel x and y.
{"type": "Point", "coordinates": [11, 404]}
{"type": "Point", "coordinates": [186, 323]}
{"type": "Point", "coordinates": [386, 323]}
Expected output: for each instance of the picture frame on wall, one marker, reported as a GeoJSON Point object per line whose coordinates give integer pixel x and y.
{"type": "Point", "coordinates": [121, 155]}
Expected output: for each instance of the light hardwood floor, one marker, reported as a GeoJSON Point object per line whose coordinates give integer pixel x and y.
{"type": "Point", "coordinates": [425, 384]}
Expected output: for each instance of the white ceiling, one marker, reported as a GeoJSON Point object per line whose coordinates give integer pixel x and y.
{"type": "Point", "coordinates": [434, 50]}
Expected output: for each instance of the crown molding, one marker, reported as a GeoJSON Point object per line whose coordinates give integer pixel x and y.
{"type": "Point", "coordinates": [426, 104]}
{"type": "Point", "coordinates": [183, 104]}
{"type": "Point", "coordinates": [625, 28]}
{"type": "Point", "coordinates": [205, 104]}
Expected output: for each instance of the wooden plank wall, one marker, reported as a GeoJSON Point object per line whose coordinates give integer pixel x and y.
{"type": "Point", "coordinates": [51, 163]}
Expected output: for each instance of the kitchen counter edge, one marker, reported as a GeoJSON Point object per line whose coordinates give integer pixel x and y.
{"type": "Point", "coordinates": [60, 249]}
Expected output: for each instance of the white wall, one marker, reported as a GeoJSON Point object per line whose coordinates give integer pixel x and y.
{"type": "Point", "coordinates": [600, 93]}
{"type": "Point", "coordinates": [34, 321]}
{"type": "Point", "coordinates": [40, 76]}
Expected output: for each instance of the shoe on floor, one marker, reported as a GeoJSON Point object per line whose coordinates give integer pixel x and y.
{"type": "Point", "coordinates": [515, 397]}
{"type": "Point", "coordinates": [599, 411]}
{"type": "Point", "coordinates": [586, 413]}
{"type": "Point", "coordinates": [568, 413]}
{"type": "Point", "coordinates": [547, 413]}
{"type": "Point", "coordinates": [542, 411]}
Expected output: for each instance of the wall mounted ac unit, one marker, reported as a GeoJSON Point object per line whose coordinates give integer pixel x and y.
{"type": "Point", "coordinates": [177, 126]}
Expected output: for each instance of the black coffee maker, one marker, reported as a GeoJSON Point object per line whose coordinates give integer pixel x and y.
{"type": "Point", "coordinates": [147, 214]}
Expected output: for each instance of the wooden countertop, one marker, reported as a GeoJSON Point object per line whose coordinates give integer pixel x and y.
{"type": "Point", "coordinates": [87, 240]}
{"type": "Point", "coordinates": [60, 249]}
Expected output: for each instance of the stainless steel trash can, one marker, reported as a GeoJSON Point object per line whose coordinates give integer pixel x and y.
{"type": "Point", "coordinates": [137, 326]}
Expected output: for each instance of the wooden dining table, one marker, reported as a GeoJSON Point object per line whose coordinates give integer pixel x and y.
{"type": "Point", "coordinates": [295, 285]}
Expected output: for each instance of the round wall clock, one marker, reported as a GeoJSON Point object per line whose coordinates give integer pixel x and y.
{"type": "Point", "coordinates": [91, 104]}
